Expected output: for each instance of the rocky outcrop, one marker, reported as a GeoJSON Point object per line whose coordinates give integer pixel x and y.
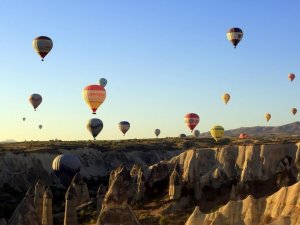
{"type": "Point", "coordinates": [38, 198]}
{"type": "Point", "coordinates": [70, 206]}
{"type": "Point", "coordinates": [100, 197]}
{"type": "Point", "coordinates": [47, 218]}
{"type": "Point", "coordinates": [175, 184]}
{"type": "Point", "coordinates": [283, 207]}
{"type": "Point", "coordinates": [81, 189]}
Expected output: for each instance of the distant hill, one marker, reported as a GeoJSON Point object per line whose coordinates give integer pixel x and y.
{"type": "Point", "coordinates": [8, 141]}
{"type": "Point", "coordinates": [284, 130]}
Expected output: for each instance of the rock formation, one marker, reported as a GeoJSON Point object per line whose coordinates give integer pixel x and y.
{"type": "Point", "coordinates": [3, 221]}
{"type": "Point", "coordinates": [196, 218]}
{"type": "Point", "coordinates": [175, 184]}
{"type": "Point", "coordinates": [81, 189]}
{"type": "Point", "coordinates": [38, 198]}
{"type": "Point", "coordinates": [70, 207]}
{"type": "Point", "coordinates": [100, 197]}
{"type": "Point", "coordinates": [47, 218]}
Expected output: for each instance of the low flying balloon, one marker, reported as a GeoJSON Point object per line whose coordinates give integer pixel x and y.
{"type": "Point", "coordinates": [217, 132]}
{"type": "Point", "coordinates": [42, 45]}
{"type": "Point", "coordinates": [294, 111]}
{"type": "Point", "coordinates": [196, 133]}
{"type": "Point", "coordinates": [234, 35]}
{"type": "Point", "coordinates": [124, 127]}
{"type": "Point", "coordinates": [35, 100]}
{"type": "Point", "coordinates": [94, 96]}
{"type": "Point", "coordinates": [191, 120]}
{"type": "Point", "coordinates": [103, 82]}
{"type": "Point", "coordinates": [267, 116]}
{"type": "Point", "coordinates": [226, 98]}
{"type": "Point", "coordinates": [291, 77]}
{"type": "Point", "coordinates": [157, 132]}
{"type": "Point", "coordinates": [95, 126]}
{"type": "Point", "coordinates": [182, 135]}
{"type": "Point", "coordinates": [243, 136]}
{"type": "Point", "coordinates": [40, 126]}
{"type": "Point", "coordinates": [65, 167]}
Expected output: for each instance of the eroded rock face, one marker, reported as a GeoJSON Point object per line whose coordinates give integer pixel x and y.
{"type": "Point", "coordinates": [283, 207]}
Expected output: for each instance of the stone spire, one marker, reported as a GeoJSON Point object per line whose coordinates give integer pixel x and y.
{"type": "Point", "coordinates": [38, 198]}
{"type": "Point", "coordinates": [175, 184]}
{"type": "Point", "coordinates": [70, 207]}
{"type": "Point", "coordinates": [81, 189]}
{"type": "Point", "coordinates": [47, 218]}
{"type": "Point", "coordinates": [100, 196]}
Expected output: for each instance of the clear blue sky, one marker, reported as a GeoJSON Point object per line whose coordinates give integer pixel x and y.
{"type": "Point", "coordinates": [162, 60]}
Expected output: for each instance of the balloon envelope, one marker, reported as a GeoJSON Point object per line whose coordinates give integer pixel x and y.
{"type": "Point", "coordinates": [294, 111]}
{"type": "Point", "coordinates": [95, 126]}
{"type": "Point", "coordinates": [235, 35]}
{"type": "Point", "coordinates": [103, 82]}
{"type": "Point", "coordinates": [35, 100]}
{"type": "Point", "coordinates": [243, 136]}
{"type": "Point", "coordinates": [124, 126]}
{"type": "Point", "coordinates": [65, 166]}
{"type": "Point", "coordinates": [291, 76]}
{"type": "Point", "coordinates": [268, 116]}
{"type": "Point", "coordinates": [94, 96]}
{"type": "Point", "coordinates": [182, 135]}
{"type": "Point", "coordinates": [157, 132]}
{"type": "Point", "coordinates": [40, 126]}
{"type": "Point", "coordinates": [226, 98]}
{"type": "Point", "coordinates": [24, 118]}
{"type": "Point", "coordinates": [196, 133]}
{"type": "Point", "coordinates": [42, 45]}
{"type": "Point", "coordinates": [217, 132]}
{"type": "Point", "coordinates": [191, 120]}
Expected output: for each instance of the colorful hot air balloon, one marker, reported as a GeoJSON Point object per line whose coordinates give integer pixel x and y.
{"type": "Point", "coordinates": [94, 96]}
{"type": "Point", "coordinates": [196, 133]}
{"type": "Point", "coordinates": [124, 126]}
{"type": "Point", "coordinates": [235, 35]}
{"type": "Point", "coordinates": [291, 77]}
{"type": "Point", "coordinates": [103, 82]}
{"type": "Point", "coordinates": [65, 167]}
{"type": "Point", "coordinates": [157, 132]}
{"type": "Point", "coordinates": [95, 126]}
{"type": "Point", "coordinates": [42, 45]}
{"type": "Point", "coordinates": [243, 136]}
{"type": "Point", "coordinates": [217, 132]}
{"type": "Point", "coordinates": [40, 126]}
{"type": "Point", "coordinates": [226, 98]}
{"type": "Point", "coordinates": [35, 100]}
{"type": "Point", "coordinates": [294, 111]}
{"type": "Point", "coordinates": [182, 135]}
{"type": "Point", "coordinates": [191, 120]}
{"type": "Point", "coordinates": [267, 116]}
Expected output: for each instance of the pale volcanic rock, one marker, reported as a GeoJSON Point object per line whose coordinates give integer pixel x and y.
{"type": "Point", "coordinates": [196, 218]}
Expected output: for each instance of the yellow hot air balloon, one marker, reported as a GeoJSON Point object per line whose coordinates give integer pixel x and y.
{"type": "Point", "coordinates": [268, 116]}
{"type": "Point", "coordinates": [94, 96]}
{"type": "Point", "coordinates": [217, 132]}
{"type": "Point", "coordinates": [226, 98]}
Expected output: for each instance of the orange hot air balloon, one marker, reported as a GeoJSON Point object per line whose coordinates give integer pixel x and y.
{"type": "Point", "coordinates": [226, 98]}
{"type": "Point", "coordinates": [268, 116]}
{"type": "Point", "coordinates": [291, 77]}
{"type": "Point", "coordinates": [191, 120]}
{"type": "Point", "coordinates": [243, 136]}
{"type": "Point", "coordinates": [294, 111]}
{"type": "Point", "coordinates": [94, 96]}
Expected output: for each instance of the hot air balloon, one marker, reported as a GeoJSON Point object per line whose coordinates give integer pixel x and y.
{"type": "Point", "coordinates": [157, 132]}
{"type": "Point", "coordinates": [267, 116]}
{"type": "Point", "coordinates": [182, 135]}
{"type": "Point", "coordinates": [235, 35]}
{"type": "Point", "coordinates": [24, 118]}
{"type": "Point", "coordinates": [291, 77]}
{"type": "Point", "coordinates": [243, 136]}
{"type": "Point", "coordinates": [294, 111]}
{"type": "Point", "coordinates": [42, 45]}
{"type": "Point", "coordinates": [226, 98]}
{"type": "Point", "coordinates": [217, 132]}
{"type": "Point", "coordinates": [103, 82]}
{"type": "Point", "coordinates": [196, 133]}
{"type": "Point", "coordinates": [35, 100]}
{"type": "Point", "coordinates": [124, 126]}
{"type": "Point", "coordinates": [191, 120]}
{"type": "Point", "coordinates": [94, 96]}
{"type": "Point", "coordinates": [65, 167]}
{"type": "Point", "coordinates": [40, 126]}
{"type": "Point", "coordinates": [95, 126]}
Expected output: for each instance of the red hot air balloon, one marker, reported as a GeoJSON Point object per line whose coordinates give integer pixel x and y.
{"type": "Point", "coordinates": [291, 77]}
{"type": "Point", "coordinates": [191, 120]}
{"type": "Point", "coordinates": [243, 136]}
{"type": "Point", "coordinates": [294, 111]}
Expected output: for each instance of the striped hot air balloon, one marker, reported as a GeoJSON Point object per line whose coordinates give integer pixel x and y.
{"type": "Point", "coordinates": [268, 116]}
{"type": "Point", "coordinates": [42, 45]}
{"type": "Point", "coordinates": [191, 120]}
{"type": "Point", "coordinates": [94, 96]}
{"type": "Point", "coordinates": [217, 132]}
{"type": "Point", "coordinates": [235, 35]}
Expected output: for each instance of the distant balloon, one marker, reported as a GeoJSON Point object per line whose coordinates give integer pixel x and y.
{"type": "Point", "coordinates": [95, 126]}
{"type": "Point", "coordinates": [226, 98]}
{"type": "Point", "coordinates": [40, 126]}
{"type": "Point", "coordinates": [267, 116]}
{"type": "Point", "coordinates": [196, 133]}
{"type": "Point", "coordinates": [65, 167]}
{"type": "Point", "coordinates": [157, 132]}
{"type": "Point", "coordinates": [103, 82]}
{"type": "Point", "coordinates": [217, 132]}
{"type": "Point", "coordinates": [294, 111]}
{"type": "Point", "coordinates": [35, 100]}
{"type": "Point", "coordinates": [94, 96]}
{"type": "Point", "coordinates": [243, 136]}
{"type": "Point", "coordinates": [235, 35]}
{"type": "Point", "coordinates": [291, 77]}
{"type": "Point", "coordinates": [191, 120]}
{"type": "Point", "coordinates": [124, 126]}
{"type": "Point", "coordinates": [42, 45]}
{"type": "Point", "coordinates": [182, 135]}
{"type": "Point", "coordinates": [24, 118]}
